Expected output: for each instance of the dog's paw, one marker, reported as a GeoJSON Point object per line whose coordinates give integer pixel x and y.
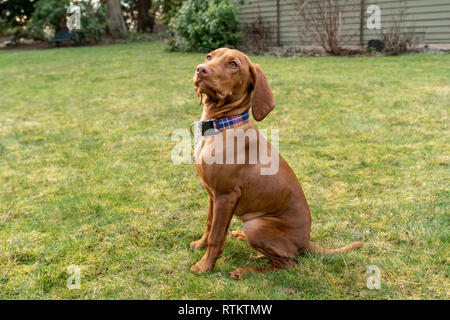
{"type": "Point", "coordinates": [199, 244]}
{"type": "Point", "coordinates": [200, 267]}
{"type": "Point", "coordinates": [238, 235]}
{"type": "Point", "coordinates": [239, 273]}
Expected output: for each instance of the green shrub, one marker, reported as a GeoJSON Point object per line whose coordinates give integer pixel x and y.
{"type": "Point", "coordinates": [94, 22]}
{"type": "Point", "coordinates": [48, 14]}
{"type": "Point", "coordinates": [204, 25]}
{"type": "Point", "coordinates": [167, 9]}
{"type": "Point", "coordinates": [53, 14]}
{"type": "Point", "coordinates": [17, 32]}
{"type": "Point", "coordinates": [15, 13]}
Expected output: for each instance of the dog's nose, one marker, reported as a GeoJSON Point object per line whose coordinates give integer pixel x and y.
{"type": "Point", "coordinates": [203, 69]}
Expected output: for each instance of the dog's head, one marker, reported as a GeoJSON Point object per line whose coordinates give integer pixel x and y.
{"type": "Point", "coordinates": [228, 76]}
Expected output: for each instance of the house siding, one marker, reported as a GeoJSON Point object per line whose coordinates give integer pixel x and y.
{"type": "Point", "coordinates": [428, 19]}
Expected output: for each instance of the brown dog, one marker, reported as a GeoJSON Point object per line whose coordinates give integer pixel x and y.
{"type": "Point", "coordinates": [273, 208]}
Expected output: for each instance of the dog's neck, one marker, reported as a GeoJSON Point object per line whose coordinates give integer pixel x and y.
{"type": "Point", "coordinates": [214, 109]}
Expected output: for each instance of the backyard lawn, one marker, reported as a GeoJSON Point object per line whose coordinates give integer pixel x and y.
{"type": "Point", "coordinates": [86, 176]}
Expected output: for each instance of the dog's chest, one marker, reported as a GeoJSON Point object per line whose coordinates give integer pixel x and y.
{"type": "Point", "coordinates": [206, 154]}
{"type": "Point", "coordinates": [219, 157]}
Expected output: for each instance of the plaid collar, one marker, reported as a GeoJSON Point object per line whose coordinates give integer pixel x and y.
{"type": "Point", "coordinates": [214, 126]}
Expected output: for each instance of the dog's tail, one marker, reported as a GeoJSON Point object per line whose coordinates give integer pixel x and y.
{"type": "Point", "coordinates": [315, 249]}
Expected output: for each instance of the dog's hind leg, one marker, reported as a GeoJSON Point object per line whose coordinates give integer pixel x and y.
{"type": "Point", "coordinates": [277, 264]}
{"type": "Point", "coordinates": [268, 237]}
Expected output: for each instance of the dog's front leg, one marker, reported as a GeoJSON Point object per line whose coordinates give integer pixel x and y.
{"type": "Point", "coordinates": [223, 208]}
{"type": "Point", "coordinates": [203, 242]}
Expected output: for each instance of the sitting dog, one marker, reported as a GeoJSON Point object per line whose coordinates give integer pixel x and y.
{"type": "Point", "coordinates": [272, 206]}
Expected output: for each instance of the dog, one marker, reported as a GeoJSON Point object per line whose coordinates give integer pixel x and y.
{"type": "Point", "coordinates": [272, 207]}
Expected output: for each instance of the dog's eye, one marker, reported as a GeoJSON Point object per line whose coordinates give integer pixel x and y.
{"type": "Point", "coordinates": [208, 57]}
{"type": "Point", "coordinates": [233, 64]}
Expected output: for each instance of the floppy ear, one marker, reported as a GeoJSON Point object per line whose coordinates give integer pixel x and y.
{"type": "Point", "coordinates": [263, 100]}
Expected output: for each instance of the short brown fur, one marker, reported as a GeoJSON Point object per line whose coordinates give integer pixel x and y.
{"type": "Point", "coordinates": [273, 208]}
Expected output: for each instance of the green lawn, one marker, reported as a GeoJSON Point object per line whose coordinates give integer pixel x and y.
{"type": "Point", "coordinates": [86, 176]}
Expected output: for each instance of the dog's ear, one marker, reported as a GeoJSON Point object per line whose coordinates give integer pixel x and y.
{"type": "Point", "coordinates": [263, 100]}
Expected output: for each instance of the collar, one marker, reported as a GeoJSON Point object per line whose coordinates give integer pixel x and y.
{"type": "Point", "coordinates": [214, 126]}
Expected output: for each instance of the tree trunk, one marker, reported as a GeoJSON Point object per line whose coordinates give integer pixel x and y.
{"type": "Point", "coordinates": [145, 21]}
{"type": "Point", "coordinates": [116, 24]}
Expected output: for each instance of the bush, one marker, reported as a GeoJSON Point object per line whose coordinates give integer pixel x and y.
{"type": "Point", "coordinates": [167, 9]}
{"type": "Point", "coordinates": [15, 34]}
{"type": "Point", "coordinates": [202, 25]}
{"type": "Point", "coordinates": [257, 35]}
{"type": "Point", "coordinates": [15, 13]}
{"type": "Point", "coordinates": [53, 14]}
{"type": "Point", "coordinates": [400, 37]}
{"type": "Point", "coordinates": [94, 22]}
{"type": "Point", "coordinates": [48, 14]}
{"type": "Point", "coordinates": [324, 21]}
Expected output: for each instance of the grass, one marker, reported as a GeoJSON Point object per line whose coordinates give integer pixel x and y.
{"type": "Point", "coordinates": [86, 176]}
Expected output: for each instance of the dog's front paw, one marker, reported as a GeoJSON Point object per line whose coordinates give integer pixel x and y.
{"type": "Point", "coordinates": [200, 267]}
{"type": "Point", "coordinates": [199, 244]}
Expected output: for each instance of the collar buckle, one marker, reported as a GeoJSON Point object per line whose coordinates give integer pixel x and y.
{"type": "Point", "coordinates": [209, 127]}
{"type": "Point", "coordinates": [205, 128]}
{"type": "Point", "coordinates": [214, 126]}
